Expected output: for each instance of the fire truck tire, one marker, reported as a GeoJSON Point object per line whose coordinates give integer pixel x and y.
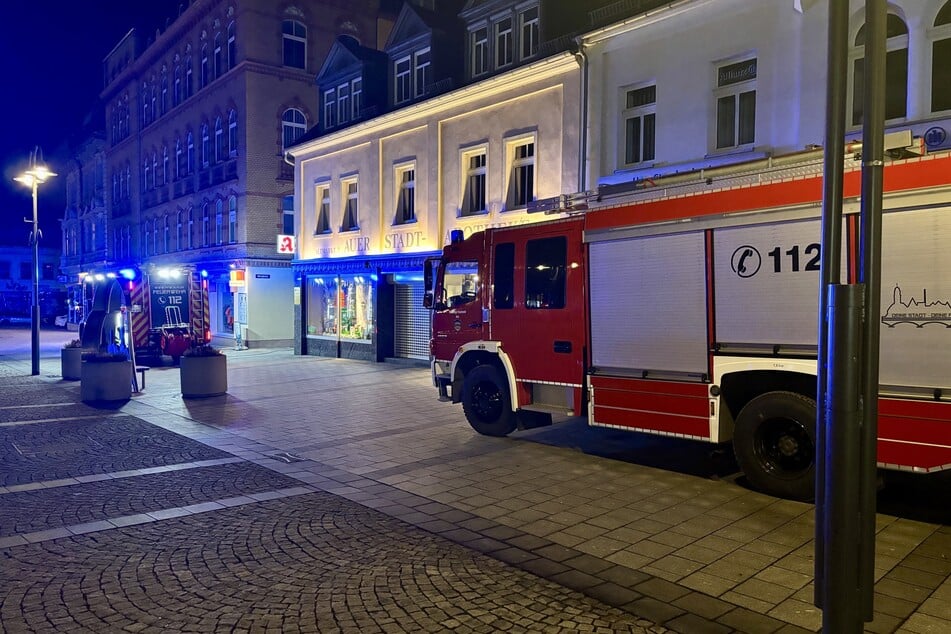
{"type": "Point", "coordinates": [775, 444]}
{"type": "Point", "coordinates": [485, 401]}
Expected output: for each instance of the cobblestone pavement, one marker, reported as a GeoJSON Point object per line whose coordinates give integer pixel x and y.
{"type": "Point", "coordinates": [110, 523]}
{"type": "Point", "coordinates": [565, 509]}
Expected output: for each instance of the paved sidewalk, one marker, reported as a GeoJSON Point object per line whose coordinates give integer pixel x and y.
{"type": "Point", "coordinates": [688, 549]}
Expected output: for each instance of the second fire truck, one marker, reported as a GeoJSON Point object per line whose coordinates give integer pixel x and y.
{"type": "Point", "coordinates": [689, 309]}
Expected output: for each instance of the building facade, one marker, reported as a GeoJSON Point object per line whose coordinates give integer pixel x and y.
{"type": "Point", "coordinates": [480, 116]}
{"type": "Point", "coordinates": [197, 118]}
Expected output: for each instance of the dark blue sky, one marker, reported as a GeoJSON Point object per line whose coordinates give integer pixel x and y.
{"type": "Point", "coordinates": [51, 53]}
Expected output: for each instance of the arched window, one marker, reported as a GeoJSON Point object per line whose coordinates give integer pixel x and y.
{"type": "Point", "coordinates": [179, 160]}
{"type": "Point", "coordinates": [177, 88]}
{"type": "Point", "coordinates": [192, 228]}
{"type": "Point", "coordinates": [190, 153]}
{"type": "Point", "coordinates": [146, 168]}
{"type": "Point", "coordinates": [293, 126]}
{"type": "Point", "coordinates": [233, 219]}
{"type": "Point", "coordinates": [189, 86]}
{"type": "Point", "coordinates": [205, 145]}
{"type": "Point", "coordinates": [896, 70]}
{"type": "Point", "coordinates": [165, 165]}
{"type": "Point", "coordinates": [232, 47]}
{"type": "Point", "coordinates": [203, 74]}
{"type": "Point", "coordinates": [164, 91]}
{"type": "Point", "coordinates": [941, 60]}
{"type": "Point", "coordinates": [219, 220]}
{"type": "Point", "coordinates": [145, 104]}
{"type": "Point", "coordinates": [180, 231]}
{"type": "Point", "coordinates": [128, 180]}
{"type": "Point", "coordinates": [153, 100]}
{"type": "Point", "coordinates": [232, 133]}
{"type": "Point", "coordinates": [154, 168]}
{"type": "Point", "coordinates": [167, 236]}
{"type": "Point", "coordinates": [295, 43]}
{"type": "Point", "coordinates": [221, 152]}
{"type": "Point", "coordinates": [219, 66]}
{"type": "Point", "coordinates": [205, 224]}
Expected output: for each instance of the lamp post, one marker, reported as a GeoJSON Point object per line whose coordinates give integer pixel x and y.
{"type": "Point", "coordinates": [36, 174]}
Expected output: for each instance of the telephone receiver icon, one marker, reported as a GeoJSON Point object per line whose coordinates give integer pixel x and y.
{"type": "Point", "coordinates": [741, 266]}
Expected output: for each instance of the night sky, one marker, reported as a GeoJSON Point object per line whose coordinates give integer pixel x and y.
{"type": "Point", "coordinates": [51, 53]}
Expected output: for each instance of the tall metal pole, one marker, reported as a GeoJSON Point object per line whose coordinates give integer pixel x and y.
{"type": "Point", "coordinates": [35, 312]}
{"type": "Point", "coordinates": [870, 269]}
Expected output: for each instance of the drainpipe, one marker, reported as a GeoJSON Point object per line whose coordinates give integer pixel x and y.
{"type": "Point", "coordinates": [582, 58]}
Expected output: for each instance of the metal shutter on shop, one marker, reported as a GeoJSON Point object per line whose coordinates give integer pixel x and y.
{"type": "Point", "coordinates": [411, 322]}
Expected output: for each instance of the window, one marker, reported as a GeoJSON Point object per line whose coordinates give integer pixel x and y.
{"type": "Point", "coordinates": [521, 186]}
{"type": "Point", "coordinates": [405, 194]}
{"type": "Point", "coordinates": [4, 269]}
{"type": "Point", "coordinates": [402, 90]}
{"type": "Point", "coordinates": [293, 126]}
{"type": "Point", "coordinates": [423, 61]}
{"type": "Point", "coordinates": [203, 77]}
{"type": "Point", "coordinates": [145, 105]}
{"type": "Point", "coordinates": [179, 160]}
{"type": "Point", "coordinates": [232, 133]}
{"type": "Point", "coordinates": [356, 96]}
{"type": "Point", "coordinates": [232, 47]}
{"type": "Point", "coordinates": [736, 104]}
{"type": "Point", "coordinates": [350, 199]}
{"type": "Point", "coordinates": [546, 266]}
{"type": "Point", "coordinates": [180, 231]}
{"type": "Point", "coordinates": [221, 151]}
{"type": "Point", "coordinates": [343, 103]}
{"type": "Point", "coordinates": [479, 52]}
{"type": "Point", "coordinates": [164, 92]}
{"type": "Point", "coordinates": [189, 86]}
{"type": "Point", "coordinates": [146, 168]}
{"type": "Point", "coordinates": [295, 43]}
{"type": "Point", "coordinates": [189, 153]}
{"type": "Point", "coordinates": [287, 215]}
{"type": "Point", "coordinates": [941, 61]}
{"type": "Point", "coordinates": [167, 236]}
{"type": "Point", "coordinates": [460, 283]}
{"type": "Point", "coordinates": [192, 229]}
{"type": "Point", "coordinates": [322, 197]}
{"type": "Point", "coordinates": [503, 43]}
{"type": "Point", "coordinates": [503, 291]}
{"type": "Point", "coordinates": [896, 70]}
{"type": "Point", "coordinates": [219, 220]}
{"type": "Point", "coordinates": [330, 109]}
{"type": "Point", "coordinates": [177, 87]}
{"type": "Point", "coordinates": [26, 270]}
{"type": "Point", "coordinates": [205, 224]}
{"type": "Point", "coordinates": [340, 306]}
{"type": "Point", "coordinates": [165, 165]}
{"type": "Point", "coordinates": [232, 219]}
{"type": "Point", "coordinates": [637, 118]}
{"type": "Point", "coordinates": [154, 169]}
{"type": "Point", "coordinates": [528, 28]}
{"type": "Point", "coordinates": [153, 101]}
{"type": "Point", "coordinates": [219, 65]}
{"type": "Point", "coordinates": [473, 196]}
{"type": "Point", "coordinates": [205, 146]}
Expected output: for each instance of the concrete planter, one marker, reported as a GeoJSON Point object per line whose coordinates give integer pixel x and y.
{"type": "Point", "coordinates": [106, 381]}
{"type": "Point", "coordinates": [71, 360]}
{"type": "Point", "coordinates": [204, 376]}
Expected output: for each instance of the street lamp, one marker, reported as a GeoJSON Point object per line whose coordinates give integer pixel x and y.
{"type": "Point", "coordinates": [37, 173]}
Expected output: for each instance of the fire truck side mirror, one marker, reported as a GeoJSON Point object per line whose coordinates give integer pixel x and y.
{"type": "Point", "coordinates": [428, 299]}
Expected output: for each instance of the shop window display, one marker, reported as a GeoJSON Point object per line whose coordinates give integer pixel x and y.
{"type": "Point", "coordinates": [340, 307]}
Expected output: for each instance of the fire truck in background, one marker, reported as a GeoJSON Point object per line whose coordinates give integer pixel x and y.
{"type": "Point", "coordinates": [167, 308]}
{"type": "Point", "coordinates": [688, 307]}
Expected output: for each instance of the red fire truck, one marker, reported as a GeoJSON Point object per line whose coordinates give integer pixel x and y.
{"type": "Point", "coordinates": [167, 308]}
{"type": "Point", "coordinates": [688, 307]}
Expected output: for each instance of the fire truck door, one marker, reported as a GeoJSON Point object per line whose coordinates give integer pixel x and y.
{"type": "Point", "coordinates": [537, 302]}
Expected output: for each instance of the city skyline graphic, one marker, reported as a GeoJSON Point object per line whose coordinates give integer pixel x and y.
{"type": "Point", "coordinates": [917, 312]}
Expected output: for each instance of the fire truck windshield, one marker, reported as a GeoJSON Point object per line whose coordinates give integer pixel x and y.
{"type": "Point", "coordinates": [460, 284]}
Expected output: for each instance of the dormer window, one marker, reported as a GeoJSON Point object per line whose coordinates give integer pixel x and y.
{"type": "Point", "coordinates": [479, 51]}
{"type": "Point", "coordinates": [402, 77]}
{"type": "Point", "coordinates": [528, 27]}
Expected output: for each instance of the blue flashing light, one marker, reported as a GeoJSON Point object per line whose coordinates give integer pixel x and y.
{"type": "Point", "coordinates": [204, 273]}
{"type": "Point", "coordinates": [128, 274]}
{"type": "Point", "coordinates": [456, 235]}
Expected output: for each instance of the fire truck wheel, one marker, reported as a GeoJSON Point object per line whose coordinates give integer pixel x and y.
{"type": "Point", "coordinates": [775, 444]}
{"type": "Point", "coordinates": [485, 401]}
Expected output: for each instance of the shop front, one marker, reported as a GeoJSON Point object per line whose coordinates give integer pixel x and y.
{"type": "Point", "coordinates": [362, 308]}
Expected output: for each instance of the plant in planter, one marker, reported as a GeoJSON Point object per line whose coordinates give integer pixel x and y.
{"type": "Point", "coordinates": [71, 359]}
{"type": "Point", "coordinates": [106, 376]}
{"type": "Point", "coordinates": [203, 372]}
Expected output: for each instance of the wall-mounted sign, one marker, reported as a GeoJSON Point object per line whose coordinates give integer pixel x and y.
{"type": "Point", "coordinates": [262, 276]}
{"type": "Point", "coordinates": [286, 244]}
